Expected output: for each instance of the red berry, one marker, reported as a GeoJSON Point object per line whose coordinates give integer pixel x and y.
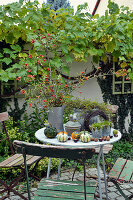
{"type": "Point", "coordinates": [32, 41]}
{"type": "Point", "coordinates": [30, 56]}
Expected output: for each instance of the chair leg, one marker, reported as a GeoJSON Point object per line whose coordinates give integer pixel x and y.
{"type": "Point", "coordinates": [9, 189]}
{"type": "Point", "coordinates": [120, 190]}
{"type": "Point", "coordinates": [84, 180]}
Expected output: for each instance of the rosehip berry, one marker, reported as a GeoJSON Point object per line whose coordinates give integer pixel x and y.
{"type": "Point", "coordinates": [30, 56]}
{"type": "Point", "coordinates": [32, 41]}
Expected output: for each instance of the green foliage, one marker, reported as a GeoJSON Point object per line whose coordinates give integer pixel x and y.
{"type": "Point", "coordinates": [86, 104]}
{"type": "Point", "coordinates": [101, 124]}
{"type": "Point", "coordinates": [76, 36]}
{"type": "Point", "coordinates": [31, 123]}
{"type": "Point", "coordinates": [14, 134]}
{"type": "Point", "coordinates": [123, 149]}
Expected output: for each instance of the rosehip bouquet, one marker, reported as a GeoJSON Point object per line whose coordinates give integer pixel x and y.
{"type": "Point", "coordinates": [50, 91]}
{"type": "Point", "coordinates": [43, 65]}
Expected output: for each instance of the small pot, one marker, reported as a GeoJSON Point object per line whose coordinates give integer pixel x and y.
{"type": "Point", "coordinates": [71, 126]}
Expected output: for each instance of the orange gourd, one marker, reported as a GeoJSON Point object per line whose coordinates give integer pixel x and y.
{"type": "Point", "coordinates": [75, 135]}
{"type": "Point", "coordinates": [63, 133]}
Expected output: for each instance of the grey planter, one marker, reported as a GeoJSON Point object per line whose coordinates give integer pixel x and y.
{"type": "Point", "coordinates": [55, 117]}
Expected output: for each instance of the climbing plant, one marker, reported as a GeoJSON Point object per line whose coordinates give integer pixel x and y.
{"type": "Point", "coordinates": [74, 36]}
{"type": "Point", "coordinates": [124, 102]}
{"type": "Point", "coordinates": [107, 38]}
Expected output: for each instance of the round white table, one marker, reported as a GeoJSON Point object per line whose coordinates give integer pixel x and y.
{"type": "Point", "coordinates": [70, 143]}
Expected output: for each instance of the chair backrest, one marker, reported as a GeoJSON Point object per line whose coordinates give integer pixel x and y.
{"type": "Point", "coordinates": [53, 151]}
{"type": "Point", "coordinates": [3, 118]}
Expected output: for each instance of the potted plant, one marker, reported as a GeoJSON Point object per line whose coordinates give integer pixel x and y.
{"type": "Point", "coordinates": [106, 126]}
{"type": "Point", "coordinates": [101, 129]}
{"type": "Point", "coordinates": [96, 129]}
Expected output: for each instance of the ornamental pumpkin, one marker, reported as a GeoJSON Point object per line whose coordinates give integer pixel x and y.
{"type": "Point", "coordinates": [85, 137]}
{"type": "Point", "coordinates": [50, 132]}
{"type": "Point", "coordinates": [62, 137]}
{"type": "Point", "coordinates": [75, 135]}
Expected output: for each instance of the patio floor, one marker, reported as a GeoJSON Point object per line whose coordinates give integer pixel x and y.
{"type": "Point", "coordinates": [67, 175]}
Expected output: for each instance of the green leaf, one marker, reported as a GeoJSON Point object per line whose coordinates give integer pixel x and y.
{"type": "Point", "coordinates": [6, 50]}
{"type": "Point", "coordinates": [13, 55]}
{"type": "Point", "coordinates": [113, 8]}
{"type": "Point", "coordinates": [22, 55]}
{"type": "Point", "coordinates": [7, 61]}
{"type": "Point", "coordinates": [110, 46]}
{"type": "Point", "coordinates": [16, 47]}
{"type": "Point", "coordinates": [66, 69]}
{"type": "Point", "coordinates": [64, 49]}
{"type": "Point", "coordinates": [68, 59]}
{"type": "Point", "coordinates": [77, 50]}
{"type": "Point", "coordinates": [92, 51]}
{"type": "Point", "coordinates": [1, 55]}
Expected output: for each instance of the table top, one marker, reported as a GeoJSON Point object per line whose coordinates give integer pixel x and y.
{"type": "Point", "coordinates": [70, 143]}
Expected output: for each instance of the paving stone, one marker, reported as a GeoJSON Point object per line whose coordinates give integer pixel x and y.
{"type": "Point", "coordinates": [112, 189]}
{"type": "Point", "coordinates": [126, 192]}
{"type": "Point", "coordinates": [120, 198]}
{"type": "Point", "coordinates": [113, 195]}
{"type": "Point", "coordinates": [111, 184]}
{"type": "Point", "coordinates": [126, 186]}
{"type": "Point", "coordinates": [131, 190]}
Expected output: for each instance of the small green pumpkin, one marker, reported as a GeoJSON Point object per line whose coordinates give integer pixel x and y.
{"type": "Point", "coordinates": [85, 137]}
{"type": "Point", "coordinates": [62, 137]}
{"type": "Point", "coordinates": [50, 132]}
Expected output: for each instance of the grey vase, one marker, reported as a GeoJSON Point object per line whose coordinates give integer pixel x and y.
{"type": "Point", "coordinates": [55, 117]}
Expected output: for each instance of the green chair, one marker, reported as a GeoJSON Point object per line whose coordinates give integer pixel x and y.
{"type": "Point", "coordinates": [57, 189]}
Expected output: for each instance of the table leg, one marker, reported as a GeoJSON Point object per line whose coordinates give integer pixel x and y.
{"type": "Point", "coordinates": [49, 166]}
{"type": "Point", "coordinates": [98, 171]}
{"type": "Point", "coordinates": [59, 167]}
{"type": "Point", "coordinates": [105, 179]}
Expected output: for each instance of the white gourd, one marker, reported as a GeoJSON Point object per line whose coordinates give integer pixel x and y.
{"type": "Point", "coordinates": [85, 137]}
{"type": "Point", "coordinates": [62, 137]}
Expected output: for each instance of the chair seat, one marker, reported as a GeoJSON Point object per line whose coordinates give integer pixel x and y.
{"type": "Point", "coordinates": [61, 189]}
{"type": "Point", "coordinates": [18, 160]}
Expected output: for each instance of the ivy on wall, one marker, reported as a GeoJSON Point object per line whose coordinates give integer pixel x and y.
{"type": "Point", "coordinates": [124, 101]}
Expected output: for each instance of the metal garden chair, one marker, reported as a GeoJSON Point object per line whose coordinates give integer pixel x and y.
{"type": "Point", "coordinates": [14, 161]}
{"type": "Point", "coordinates": [58, 189]}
